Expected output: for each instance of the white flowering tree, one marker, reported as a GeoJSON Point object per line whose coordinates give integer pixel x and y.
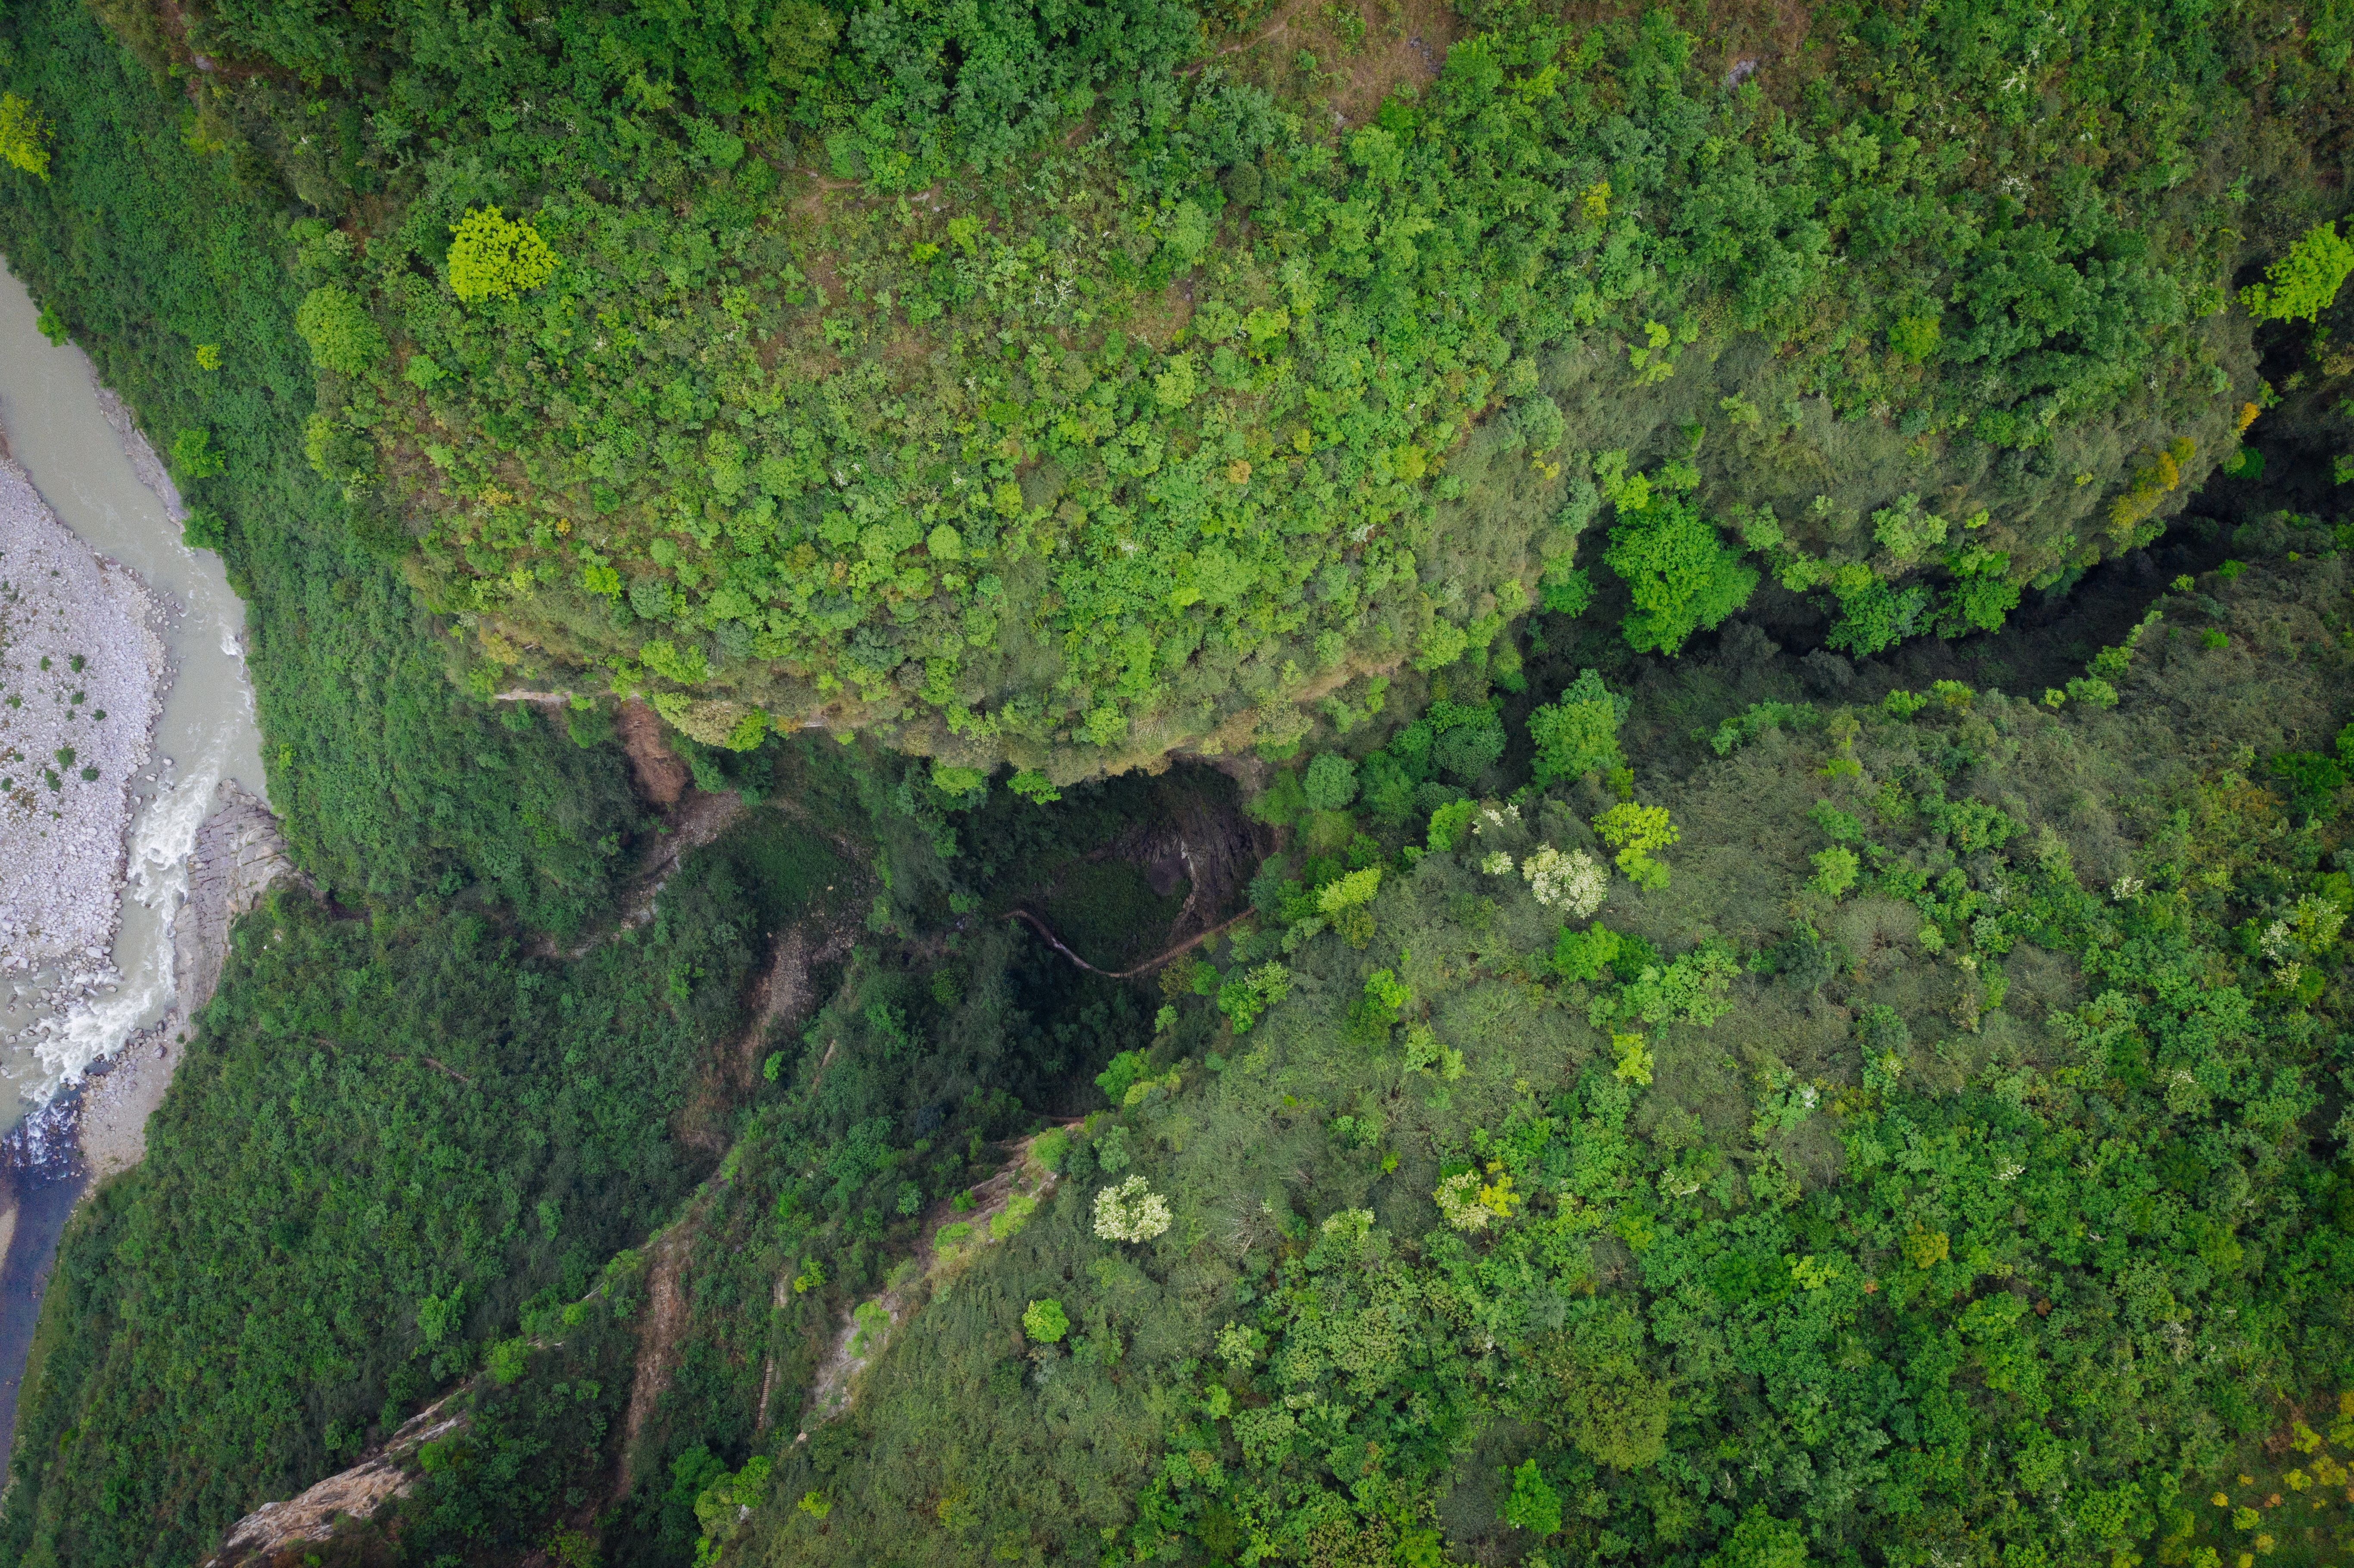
{"type": "Point", "coordinates": [1130, 1212]}
{"type": "Point", "coordinates": [1574, 881]}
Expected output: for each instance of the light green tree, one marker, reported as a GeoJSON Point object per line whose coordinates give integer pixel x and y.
{"type": "Point", "coordinates": [2305, 282]}
{"type": "Point", "coordinates": [24, 136]}
{"type": "Point", "coordinates": [490, 254]}
{"type": "Point", "coordinates": [1044, 1323]}
{"type": "Point", "coordinates": [1635, 831]}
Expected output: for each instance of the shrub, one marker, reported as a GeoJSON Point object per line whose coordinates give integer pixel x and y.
{"type": "Point", "coordinates": [1331, 783]}
{"type": "Point", "coordinates": [490, 254]}
{"type": "Point", "coordinates": [1044, 1323]}
{"type": "Point", "coordinates": [1471, 746]}
{"type": "Point", "coordinates": [1013, 1217]}
{"type": "Point", "coordinates": [1050, 1148]}
{"type": "Point", "coordinates": [1884, 1039]}
{"type": "Point", "coordinates": [1756, 720]}
{"type": "Point", "coordinates": [204, 530]}
{"type": "Point", "coordinates": [1386, 789]}
{"type": "Point", "coordinates": [1280, 803]}
{"type": "Point", "coordinates": [2312, 781]}
{"type": "Point", "coordinates": [336, 453]}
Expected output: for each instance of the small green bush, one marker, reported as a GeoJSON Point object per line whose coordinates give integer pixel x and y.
{"type": "Point", "coordinates": [1835, 871]}
{"type": "Point", "coordinates": [1578, 732]}
{"type": "Point", "coordinates": [1044, 1323]}
{"type": "Point", "coordinates": [1331, 783]}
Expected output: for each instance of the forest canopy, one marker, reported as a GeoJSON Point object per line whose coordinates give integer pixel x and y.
{"type": "Point", "coordinates": [1070, 384]}
{"type": "Point", "coordinates": [1115, 782]}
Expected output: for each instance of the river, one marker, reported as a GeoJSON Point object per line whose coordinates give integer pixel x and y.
{"type": "Point", "coordinates": [58, 432]}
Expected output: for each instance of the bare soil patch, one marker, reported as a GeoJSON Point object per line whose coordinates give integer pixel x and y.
{"type": "Point", "coordinates": [662, 776]}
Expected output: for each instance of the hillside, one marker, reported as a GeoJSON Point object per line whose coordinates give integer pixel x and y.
{"type": "Point", "coordinates": [1341, 784]}
{"type": "Point", "coordinates": [1944, 1155]}
{"type": "Point", "coordinates": [1066, 387]}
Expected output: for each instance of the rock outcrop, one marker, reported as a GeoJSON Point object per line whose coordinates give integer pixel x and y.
{"type": "Point", "coordinates": [240, 856]}
{"type": "Point", "coordinates": [355, 1493]}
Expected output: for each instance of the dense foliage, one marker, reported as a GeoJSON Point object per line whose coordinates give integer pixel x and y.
{"type": "Point", "coordinates": [1979, 1207]}
{"type": "Point", "coordinates": [1070, 384]}
{"type": "Point", "coordinates": [1656, 1100]}
{"type": "Point", "coordinates": [393, 1138]}
{"type": "Point", "coordinates": [390, 783]}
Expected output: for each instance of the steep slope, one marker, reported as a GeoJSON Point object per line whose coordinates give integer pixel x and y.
{"type": "Point", "coordinates": [1944, 1155]}
{"type": "Point", "coordinates": [1066, 386]}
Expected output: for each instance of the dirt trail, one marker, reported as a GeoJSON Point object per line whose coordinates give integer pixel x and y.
{"type": "Point", "coordinates": [1143, 969]}
{"type": "Point", "coordinates": [658, 1337]}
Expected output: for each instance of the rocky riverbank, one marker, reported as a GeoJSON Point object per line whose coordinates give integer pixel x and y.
{"type": "Point", "coordinates": [82, 671]}
{"type": "Point", "coordinates": [240, 856]}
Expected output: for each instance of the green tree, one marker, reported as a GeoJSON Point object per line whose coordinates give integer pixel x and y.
{"type": "Point", "coordinates": [1683, 576]}
{"type": "Point", "coordinates": [2305, 282]}
{"type": "Point", "coordinates": [192, 456]}
{"type": "Point", "coordinates": [1580, 957]}
{"type": "Point", "coordinates": [1599, 1395]}
{"type": "Point", "coordinates": [1331, 782]}
{"type": "Point", "coordinates": [1471, 740]}
{"type": "Point", "coordinates": [1578, 732]}
{"type": "Point", "coordinates": [1044, 1323]}
{"type": "Point", "coordinates": [1761, 1540]}
{"type": "Point", "coordinates": [1835, 871]}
